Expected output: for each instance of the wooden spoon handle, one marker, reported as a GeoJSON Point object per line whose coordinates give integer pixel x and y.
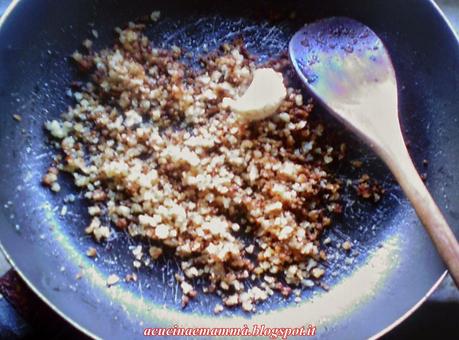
{"type": "Point", "coordinates": [438, 229]}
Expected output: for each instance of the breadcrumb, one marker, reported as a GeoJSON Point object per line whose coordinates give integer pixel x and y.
{"type": "Point", "coordinates": [91, 252]}
{"type": "Point", "coordinates": [112, 279]}
{"type": "Point", "coordinates": [155, 15]}
{"type": "Point", "coordinates": [346, 245]}
{"type": "Point", "coordinates": [160, 153]}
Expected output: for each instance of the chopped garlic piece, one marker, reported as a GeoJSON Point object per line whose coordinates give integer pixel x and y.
{"type": "Point", "coordinates": [263, 97]}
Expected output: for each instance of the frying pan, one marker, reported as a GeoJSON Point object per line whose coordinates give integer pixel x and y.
{"type": "Point", "coordinates": [394, 267]}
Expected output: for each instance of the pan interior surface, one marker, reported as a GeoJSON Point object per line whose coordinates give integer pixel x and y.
{"type": "Point", "coordinates": [396, 265]}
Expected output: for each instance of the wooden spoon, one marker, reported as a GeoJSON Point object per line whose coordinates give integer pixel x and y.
{"type": "Point", "coordinates": [346, 66]}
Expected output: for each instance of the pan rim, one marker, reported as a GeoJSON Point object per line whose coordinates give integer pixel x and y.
{"type": "Point", "coordinates": [10, 8]}
{"type": "Point", "coordinates": [37, 292]}
{"type": "Point", "coordinates": [85, 331]}
{"type": "Point", "coordinates": [29, 284]}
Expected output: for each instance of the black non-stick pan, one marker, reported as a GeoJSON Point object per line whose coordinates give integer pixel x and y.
{"type": "Point", "coordinates": [395, 266]}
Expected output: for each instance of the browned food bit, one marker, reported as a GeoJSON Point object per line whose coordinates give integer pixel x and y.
{"type": "Point", "coordinates": [98, 195]}
{"type": "Point", "coordinates": [346, 245]}
{"type": "Point", "coordinates": [369, 188]}
{"type": "Point", "coordinates": [50, 179]}
{"type": "Point", "coordinates": [131, 277]}
{"type": "Point", "coordinates": [91, 252]}
{"type": "Point", "coordinates": [317, 273]}
{"type": "Point", "coordinates": [218, 309]}
{"type": "Point", "coordinates": [357, 164]}
{"type": "Point", "coordinates": [153, 147]}
{"type": "Point", "coordinates": [155, 252]}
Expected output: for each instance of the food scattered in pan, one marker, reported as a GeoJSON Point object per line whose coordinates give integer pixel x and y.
{"type": "Point", "coordinates": [237, 185]}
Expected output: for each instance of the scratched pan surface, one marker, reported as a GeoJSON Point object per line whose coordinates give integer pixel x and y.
{"type": "Point", "coordinates": [396, 265]}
